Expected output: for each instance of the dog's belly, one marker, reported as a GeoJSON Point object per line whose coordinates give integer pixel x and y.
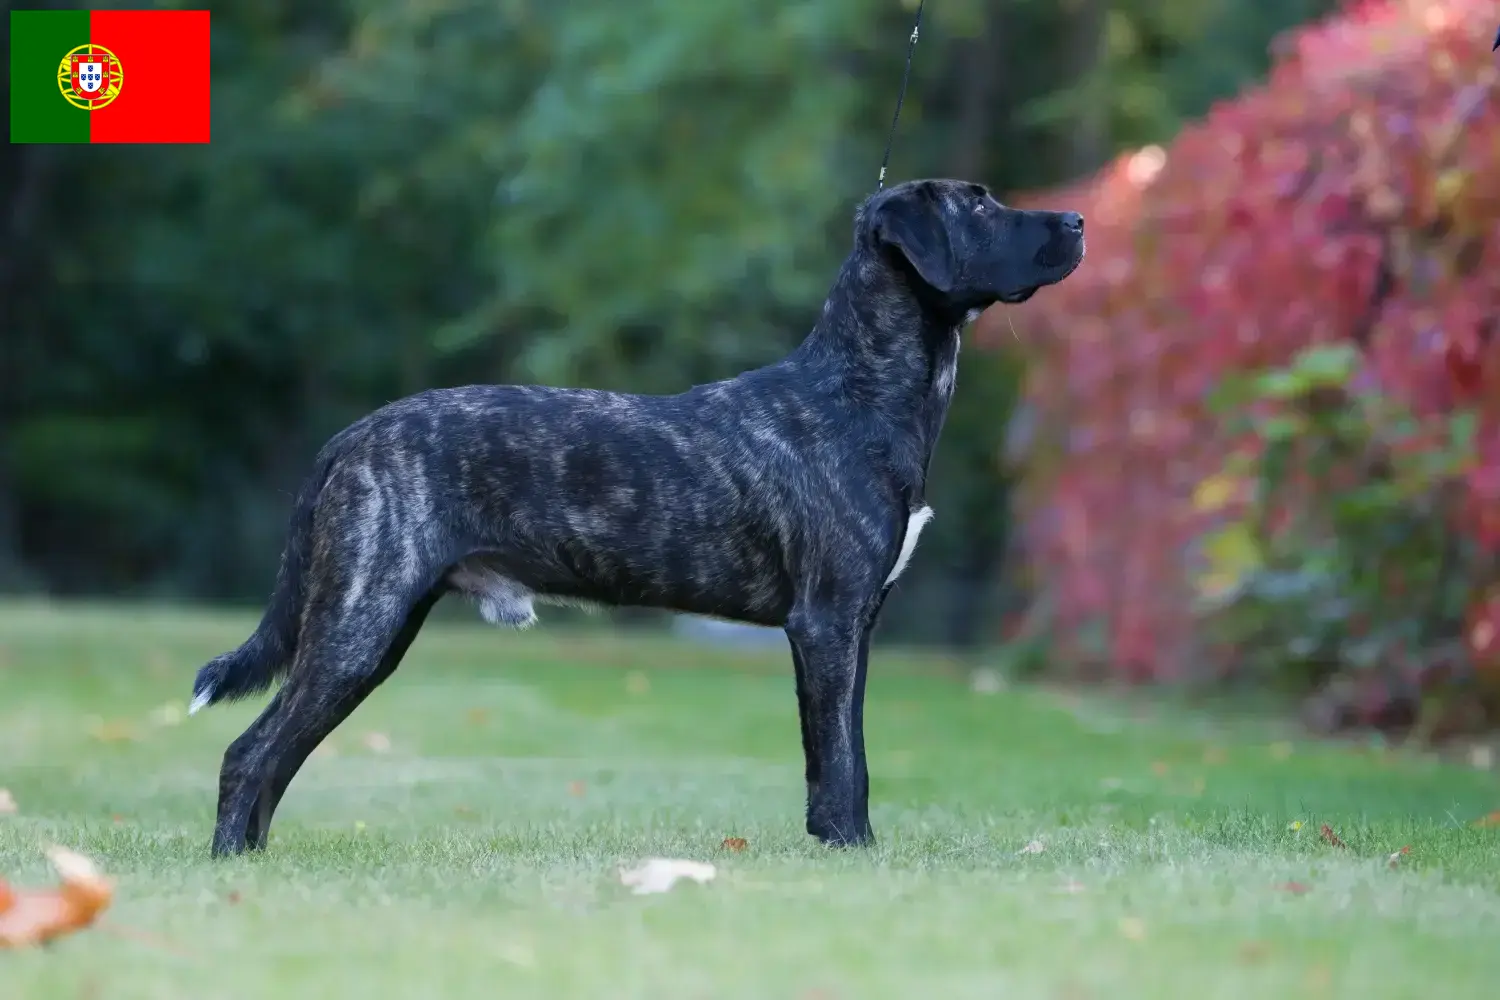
{"type": "Point", "coordinates": [508, 591]}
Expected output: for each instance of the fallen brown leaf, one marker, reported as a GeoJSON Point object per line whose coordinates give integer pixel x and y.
{"type": "Point", "coordinates": [1492, 819]}
{"type": "Point", "coordinates": [33, 916]}
{"type": "Point", "coordinates": [7, 803]}
{"type": "Point", "coordinates": [1254, 952]}
{"type": "Point", "coordinates": [637, 683]}
{"type": "Point", "coordinates": [577, 788]}
{"type": "Point", "coordinates": [112, 732]}
{"type": "Point", "coordinates": [477, 716]}
{"type": "Point", "coordinates": [1326, 832]}
{"type": "Point", "coordinates": [1395, 858]}
{"type": "Point", "coordinates": [1319, 978]}
{"type": "Point", "coordinates": [1160, 768]}
{"type": "Point", "coordinates": [735, 844]}
{"type": "Point", "coordinates": [1295, 888]}
{"type": "Point", "coordinates": [233, 897]}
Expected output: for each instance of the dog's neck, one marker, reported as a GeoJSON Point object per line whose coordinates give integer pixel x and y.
{"type": "Point", "coordinates": [878, 341]}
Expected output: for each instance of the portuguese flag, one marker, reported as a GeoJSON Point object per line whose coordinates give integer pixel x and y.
{"type": "Point", "coordinates": [109, 76]}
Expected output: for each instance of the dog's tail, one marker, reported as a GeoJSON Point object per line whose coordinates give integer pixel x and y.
{"type": "Point", "coordinates": [267, 655]}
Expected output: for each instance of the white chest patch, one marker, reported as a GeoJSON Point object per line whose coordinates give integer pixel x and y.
{"type": "Point", "coordinates": [948, 368]}
{"type": "Point", "coordinates": [914, 526]}
{"type": "Point", "coordinates": [945, 379]}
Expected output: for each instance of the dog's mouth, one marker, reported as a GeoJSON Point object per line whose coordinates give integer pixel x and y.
{"type": "Point", "coordinates": [1060, 251]}
{"type": "Point", "coordinates": [1078, 253]}
{"type": "Point", "coordinates": [1049, 257]}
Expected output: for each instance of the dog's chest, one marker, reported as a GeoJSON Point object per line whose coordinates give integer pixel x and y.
{"type": "Point", "coordinates": [914, 525]}
{"type": "Point", "coordinates": [945, 369]}
{"type": "Point", "coordinates": [942, 379]}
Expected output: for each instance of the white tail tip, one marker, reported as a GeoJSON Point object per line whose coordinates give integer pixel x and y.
{"type": "Point", "coordinates": [200, 701]}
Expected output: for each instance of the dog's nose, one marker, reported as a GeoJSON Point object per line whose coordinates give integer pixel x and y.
{"type": "Point", "coordinates": [1072, 222]}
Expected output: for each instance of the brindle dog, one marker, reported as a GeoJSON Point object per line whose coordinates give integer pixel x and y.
{"type": "Point", "coordinates": [789, 496]}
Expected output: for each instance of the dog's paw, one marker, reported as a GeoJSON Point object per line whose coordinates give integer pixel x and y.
{"type": "Point", "coordinates": [846, 834]}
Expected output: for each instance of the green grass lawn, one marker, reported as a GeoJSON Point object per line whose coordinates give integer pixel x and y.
{"type": "Point", "coordinates": [462, 835]}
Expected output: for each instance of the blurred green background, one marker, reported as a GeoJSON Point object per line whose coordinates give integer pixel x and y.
{"type": "Point", "coordinates": [408, 193]}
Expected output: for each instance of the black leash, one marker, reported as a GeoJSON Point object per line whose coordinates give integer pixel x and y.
{"type": "Point", "coordinates": [911, 47]}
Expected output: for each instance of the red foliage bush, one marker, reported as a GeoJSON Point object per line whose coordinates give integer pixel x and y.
{"type": "Point", "coordinates": [1352, 198]}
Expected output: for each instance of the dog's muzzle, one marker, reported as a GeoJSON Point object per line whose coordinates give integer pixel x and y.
{"type": "Point", "coordinates": [1064, 249]}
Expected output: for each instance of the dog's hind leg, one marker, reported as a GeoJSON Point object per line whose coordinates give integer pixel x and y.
{"type": "Point", "coordinates": [346, 649]}
{"type": "Point", "coordinates": [230, 828]}
{"type": "Point", "coordinates": [287, 766]}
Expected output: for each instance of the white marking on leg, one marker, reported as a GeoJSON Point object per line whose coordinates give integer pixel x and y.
{"type": "Point", "coordinates": [914, 526]}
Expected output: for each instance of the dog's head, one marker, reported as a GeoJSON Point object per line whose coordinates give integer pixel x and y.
{"type": "Point", "coordinates": [969, 250]}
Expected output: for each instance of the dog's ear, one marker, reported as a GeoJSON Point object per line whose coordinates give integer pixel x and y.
{"type": "Point", "coordinates": [912, 222]}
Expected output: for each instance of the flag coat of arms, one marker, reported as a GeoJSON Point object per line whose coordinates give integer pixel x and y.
{"type": "Point", "coordinates": [139, 76]}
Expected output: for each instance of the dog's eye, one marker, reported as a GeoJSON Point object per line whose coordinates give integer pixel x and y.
{"type": "Point", "coordinates": [979, 208]}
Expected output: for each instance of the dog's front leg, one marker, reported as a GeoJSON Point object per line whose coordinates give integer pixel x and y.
{"type": "Point", "coordinates": [809, 733]}
{"type": "Point", "coordinates": [832, 690]}
{"type": "Point", "coordinates": [862, 770]}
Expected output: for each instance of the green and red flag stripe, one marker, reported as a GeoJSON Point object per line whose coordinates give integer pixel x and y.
{"type": "Point", "coordinates": [109, 76]}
